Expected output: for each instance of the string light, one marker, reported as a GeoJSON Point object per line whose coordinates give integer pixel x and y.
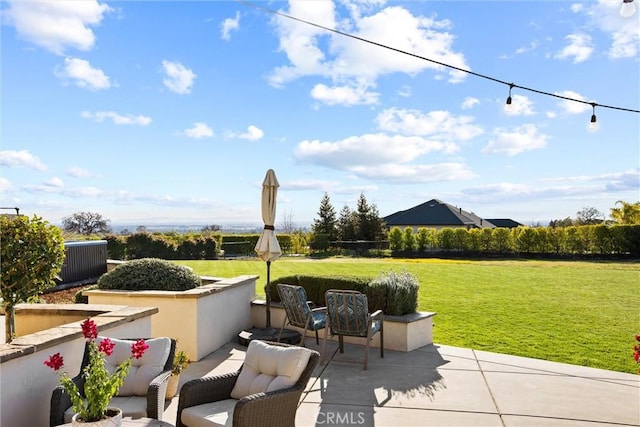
{"type": "Point", "coordinates": [593, 125]}
{"type": "Point", "coordinates": [507, 105]}
{"type": "Point", "coordinates": [628, 9]}
{"type": "Point", "coordinates": [626, 4]}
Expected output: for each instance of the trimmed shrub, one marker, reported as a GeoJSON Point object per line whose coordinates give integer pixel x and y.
{"type": "Point", "coordinates": [398, 291]}
{"type": "Point", "coordinates": [149, 274]}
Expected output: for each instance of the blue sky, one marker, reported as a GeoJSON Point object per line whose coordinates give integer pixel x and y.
{"type": "Point", "coordinates": [172, 112]}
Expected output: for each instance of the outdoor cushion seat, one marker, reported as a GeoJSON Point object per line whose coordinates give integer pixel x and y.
{"type": "Point", "coordinates": [264, 392]}
{"type": "Point", "coordinates": [143, 393]}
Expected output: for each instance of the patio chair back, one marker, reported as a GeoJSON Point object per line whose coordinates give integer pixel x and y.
{"type": "Point", "coordinates": [299, 311]}
{"type": "Point", "coordinates": [348, 315]}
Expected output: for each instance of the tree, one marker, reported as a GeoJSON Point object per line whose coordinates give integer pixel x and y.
{"type": "Point", "coordinates": [31, 254]}
{"type": "Point", "coordinates": [588, 215]}
{"type": "Point", "coordinates": [347, 224]}
{"type": "Point", "coordinates": [86, 223]}
{"type": "Point", "coordinates": [561, 222]}
{"type": "Point", "coordinates": [326, 221]}
{"type": "Point", "coordinates": [369, 225]}
{"type": "Point", "coordinates": [210, 228]}
{"type": "Point", "coordinates": [287, 225]}
{"type": "Point", "coordinates": [627, 213]}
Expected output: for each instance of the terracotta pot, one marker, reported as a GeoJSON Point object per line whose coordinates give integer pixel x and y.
{"type": "Point", "coordinates": [113, 419]}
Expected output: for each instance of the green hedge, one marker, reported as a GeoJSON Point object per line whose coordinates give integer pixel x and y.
{"type": "Point", "coordinates": [190, 246]}
{"type": "Point", "coordinates": [393, 293]}
{"type": "Point", "coordinates": [584, 240]}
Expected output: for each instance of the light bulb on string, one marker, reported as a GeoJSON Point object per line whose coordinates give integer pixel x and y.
{"type": "Point", "coordinates": [507, 105]}
{"type": "Point", "coordinates": [628, 9]}
{"type": "Point", "coordinates": [593, 124]}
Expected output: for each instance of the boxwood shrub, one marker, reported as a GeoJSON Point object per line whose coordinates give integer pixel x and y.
{"type": "Point", "coordinates": [149, 274]}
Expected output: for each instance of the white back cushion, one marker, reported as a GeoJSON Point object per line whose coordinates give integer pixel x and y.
{"type": "Point", "coordinates": [143, 370]}
{"type": "Point", "coordinates": [269, 368]}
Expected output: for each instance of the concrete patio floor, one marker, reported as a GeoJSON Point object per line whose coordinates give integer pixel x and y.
{"type": "Point", "coordinates": [439, 385]}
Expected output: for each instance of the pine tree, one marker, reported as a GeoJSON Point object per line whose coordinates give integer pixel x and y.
{"type": "Point", "coordinates": [347, 224]}
{"type": "Point", "coordinates": [326, 223]}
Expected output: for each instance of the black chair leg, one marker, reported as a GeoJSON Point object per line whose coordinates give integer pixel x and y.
{"type": "Point", "coordinates": [317, 339]}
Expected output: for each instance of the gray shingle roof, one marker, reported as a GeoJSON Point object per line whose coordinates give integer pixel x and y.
{"type": "Point", "coordinates": [436, 213]}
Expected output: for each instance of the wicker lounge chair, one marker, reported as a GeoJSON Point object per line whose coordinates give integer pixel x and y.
{"type": "Point", "coordinates": [348, 315]}
{"type": "Point", "coordinates": [149, 406]}
{"type": "Point", "coordinates": [300, 312]}
{"type": "Point", "coordinates": [236, 399]}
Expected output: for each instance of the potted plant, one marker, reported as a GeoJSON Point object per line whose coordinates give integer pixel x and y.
{"type": "Point", "coordinates": [90, 404]}
{"type": "Point", "coordinates": [180, 361]}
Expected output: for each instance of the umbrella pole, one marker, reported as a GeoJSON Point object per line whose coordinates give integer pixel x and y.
{"type": "Point", "coordinates": [268, 294]}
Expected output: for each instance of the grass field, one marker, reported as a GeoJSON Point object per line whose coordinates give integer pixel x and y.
{"type": "Point", "coordinates": [582, 313]}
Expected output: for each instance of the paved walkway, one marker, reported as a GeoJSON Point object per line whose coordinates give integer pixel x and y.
{"type": "Point", "coordinates": [448, 386]}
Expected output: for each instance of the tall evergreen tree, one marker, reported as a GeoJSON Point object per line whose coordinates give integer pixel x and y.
{"type": "Point", "coordinates": [347, 224]}
{"type": "Point", "coordinates": [326, 223]}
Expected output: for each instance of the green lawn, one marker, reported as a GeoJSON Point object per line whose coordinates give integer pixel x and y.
{"type": "Point", "coordinates": [583, 313]}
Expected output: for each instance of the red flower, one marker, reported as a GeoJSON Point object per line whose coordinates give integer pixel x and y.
{"type": "Point", "coordinates": [55, 361]}
{"type": "Point", "coordinates": [106, 346]}
{"type": "Point", "coordinates": [636, 357]}
{"type": "Point", "coordinates": [638, 337]}
{"type": "Point", "coordinates": [89, 329]}
{"type": "Point", "coordinates": [138, 348]}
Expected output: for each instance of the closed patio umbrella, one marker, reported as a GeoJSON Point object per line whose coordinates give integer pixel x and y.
{"type": "Point", "coordinates": [268, 248]}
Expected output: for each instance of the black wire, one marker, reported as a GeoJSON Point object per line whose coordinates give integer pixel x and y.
{"type": "Point", "coordinates": [511, 85]}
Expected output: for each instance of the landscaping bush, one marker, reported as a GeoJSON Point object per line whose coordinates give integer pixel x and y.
{"type": "Point", "coordinates": [149, 274]}
{"type": "Point", "coordinates": [396, 294]}
{"type": "Point", "coordinates": [316, 286]}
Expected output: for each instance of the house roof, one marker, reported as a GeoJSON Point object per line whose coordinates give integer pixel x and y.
{"type": "Point", "coordinates": [436, 213]}
{"type": "Point", "coordinates": [504, 222]}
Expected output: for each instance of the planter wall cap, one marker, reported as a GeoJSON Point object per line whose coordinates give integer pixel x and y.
{"type": "Point", "coordinates": [411, 317]}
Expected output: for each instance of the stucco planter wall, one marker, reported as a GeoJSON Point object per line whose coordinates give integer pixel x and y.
{"type": "Point", "coordinates": [202, 319]}
{"type": "Point", "coordinates": [401, 333]}
{"type": "Point", "coordinates": [27, 383]}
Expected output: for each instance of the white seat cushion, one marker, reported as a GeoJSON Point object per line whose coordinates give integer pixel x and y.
{"type": "Point", "coordinates": [269, 368]}
{"type": "Point", "coordinates": [143, 370]}
{"type": "Point", "coordinates": [212, 414]}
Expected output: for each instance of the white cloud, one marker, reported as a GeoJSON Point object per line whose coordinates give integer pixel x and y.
{"type": "Point", "coordinates": [78, 172]}
{"type": "Point", "coordinates": [400, 173]}
{"type": "Point", "coordinates": [199, 130]}
{"type": "Point", "coordinates": [404, 91]}
{"type": "Point", "coordinates": [344, 95]}
{"type": "Point", "coordinates": [56, 25]}
{"type": "Point", "coordinates": [356, 64]}
{"type": "Point", "coordinates": [84, 74]}
{"type": "Point", "coordinates": [579, 48]}
{"type": "Point", "coordinates": [178, 78]}
{"type": "Point", "coordinates": [624, 32]}
{"type": "Point", "coordinates": [54, 182]}
{"type": "Point", "coordinates": [520, 106]}
{"type": "Point", "coordinates": [365, 150]}
{"type": "Point", "coordinates": [5, 185]}
{"type": "Point", "coordinates": [253, 133]}
{"type": "Point", "coordinates": [117, 119]}
{"type": "Point", "coordinates": [438, 124]}
{"type": "Point", "coordinates": [228, 25]}
{"type": "Point", "coordinates": [572, 107]}
{"type": "Point", "coordinates": [22, 158]}
{"type": "Point", "coordinates": [520, 139]}
{"type": "Point", "coordinates": [469, 102]}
